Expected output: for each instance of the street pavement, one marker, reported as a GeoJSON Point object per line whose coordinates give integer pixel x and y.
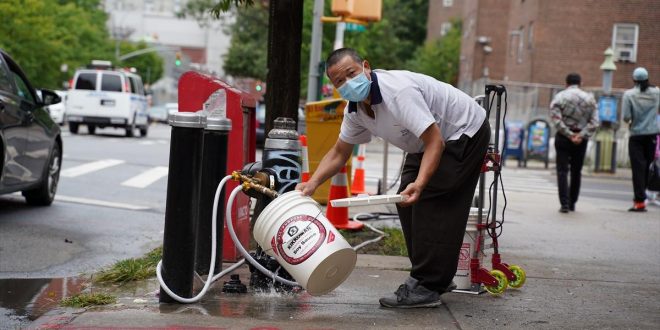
{"type": "Point", "coordinates": [595, 268]}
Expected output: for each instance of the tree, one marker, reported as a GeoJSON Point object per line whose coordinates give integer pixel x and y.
{"type": "Point", "coordinates": [149, 66]}
{"type": "Point", "coordinates": [285, 23]}
{"type": "Point", "coordinates": [41, 35]}
{"type": "Point", "coordinates": [248, 49]}
{"type": "Point", "coordinates": [440, 58]}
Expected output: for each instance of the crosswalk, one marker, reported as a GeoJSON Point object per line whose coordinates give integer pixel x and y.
{"type": "Point", "coordinates": [137, 176]}
{"type": "Point", "coordinates": [89, 167]}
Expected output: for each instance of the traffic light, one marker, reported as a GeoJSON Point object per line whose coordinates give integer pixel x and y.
{"type": "Point", "coordinates": [177, 61]}
{"type": "Point", "coordinates": [258, 86]}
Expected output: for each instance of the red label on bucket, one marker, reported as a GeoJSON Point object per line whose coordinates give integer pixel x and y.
{"type": "Point", "coordinates": [299, 237]}
{"type": "Point", "coordinates": [331, 237]}
{"type": "Point", "coordinates": [464, 257]}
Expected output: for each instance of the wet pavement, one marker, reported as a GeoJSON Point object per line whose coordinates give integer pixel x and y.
{"type": "Point", "coordinates": [25, 300]}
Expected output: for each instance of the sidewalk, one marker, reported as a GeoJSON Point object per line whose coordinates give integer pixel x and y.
{"type": "Point", "coordinates": [596, 268]}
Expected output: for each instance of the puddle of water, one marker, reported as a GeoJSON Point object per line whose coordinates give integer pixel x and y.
{"type": "Point", "coordinates": [24, 300]}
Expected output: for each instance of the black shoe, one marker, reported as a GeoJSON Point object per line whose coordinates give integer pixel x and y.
{"type": "Point", "coordinates": [563, 209]}
{"type": "Point", "coordinates": [412, 295]}
{"type": "Point", "coordinates": [571, 208]}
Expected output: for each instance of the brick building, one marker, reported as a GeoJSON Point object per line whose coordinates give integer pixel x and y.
{"type": "Point", "coordinates": [531, 45]}
{"type": "Point", "coordinates": [540, 41]}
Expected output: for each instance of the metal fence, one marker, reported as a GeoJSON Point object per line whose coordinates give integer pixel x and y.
{"type": "Point", "coordinates": [530, 101]}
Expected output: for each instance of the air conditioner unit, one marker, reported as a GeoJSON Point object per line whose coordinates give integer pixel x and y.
{"type": "Point", "coordinates": [625, 54]}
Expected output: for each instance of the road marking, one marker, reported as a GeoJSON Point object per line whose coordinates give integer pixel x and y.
{"type": "Point", "coordinates": [146, 178]}
{"type": "Point", "coordinates": [95, 202]}
{"type": "Point", "coordinates": [90, 167]}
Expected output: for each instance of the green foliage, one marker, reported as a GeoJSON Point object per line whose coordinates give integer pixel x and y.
{"type": "Point", "coordinates": [393, 244]}
{"type": "Point", "coordinates": [149, 66]}
{"type": "Point", "coordinates": [388, 44]}
{"type": "Point", "coordinates": [248, 50]}
{"type": "Point", "coordinates": [224, 5]}
{"type": "Point", "coordinates": [41, 35]}
{"type": "Point", "coordinates": [88, 299]}
{"type": "Point", "coordinates": [440, 58]}
{"type": "Point", "coordinates": [132, 269]}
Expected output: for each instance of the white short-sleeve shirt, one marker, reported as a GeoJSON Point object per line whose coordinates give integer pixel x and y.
{"type": "Point", "coordinates": [405, 104]}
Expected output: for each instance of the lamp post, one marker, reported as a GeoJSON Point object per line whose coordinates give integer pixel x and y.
{"type": "Point", "coordinates": [608, 68]}
{"type": "Point", "coordinates": [607, 113]}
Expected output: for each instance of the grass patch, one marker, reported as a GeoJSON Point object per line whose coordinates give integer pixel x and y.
{"type": "Point", "coordinates": [131, 269]}
{"type": "Point", "coordinates": [88, 299]}
{"type": "Point", "coordinates": [392, 245]}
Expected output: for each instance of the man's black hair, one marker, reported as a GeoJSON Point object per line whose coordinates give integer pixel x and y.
{"type": "Point", "coordinates": [573, 79]}
{"type": "Point", "coordinates": [643, 85]}
{"type": "Point", "coordinates": [339, 54]}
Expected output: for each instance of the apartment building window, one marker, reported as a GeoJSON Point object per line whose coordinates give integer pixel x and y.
{"type": "Point", "coordinates": [624, 42]}
{"type": "Point", "coordinates": [516, 44]}
{"type": "Point", "coordinates": [444, 28]}
{"type": "Point", "coordinates": [447, 3]}
{"type": "Point", "coordinates": [530, 35]}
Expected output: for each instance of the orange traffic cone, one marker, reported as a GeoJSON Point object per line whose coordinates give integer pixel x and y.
{"type": "Point", "coordinates": [357, 186]}
{"type": "Point", "coordinates": [338, 216]}
{"type": "Point", "coordinates": [304, 158]}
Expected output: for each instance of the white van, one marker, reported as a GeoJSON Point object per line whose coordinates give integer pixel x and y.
{"type": "Point", "coordinates": [101, 96]}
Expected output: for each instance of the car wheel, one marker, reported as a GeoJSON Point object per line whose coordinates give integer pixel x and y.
{"type": "Point", "coordinates": [45, 193]}
{"type": "Point", "coordinates": [130, 129]}
{"type": "Point", "coordinates": [73, 128]}
{"type": "Point", "coordinates": [91, 129]}
{"type": "Point", "coordinates": [144, 130]}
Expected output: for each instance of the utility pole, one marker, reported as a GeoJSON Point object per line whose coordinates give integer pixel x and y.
{"type": "Point", "coordinates": [315, 52]}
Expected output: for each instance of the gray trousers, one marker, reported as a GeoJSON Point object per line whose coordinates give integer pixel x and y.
{"type": "Point", "coordinates": [435, 225]}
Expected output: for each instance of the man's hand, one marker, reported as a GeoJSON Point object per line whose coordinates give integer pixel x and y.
{"type": "Point", "coordinates": [576, 138]}
{"type": "Point", "coordinates": [411, 193]}
{"type": "Point", "coordinates": [307, 188]}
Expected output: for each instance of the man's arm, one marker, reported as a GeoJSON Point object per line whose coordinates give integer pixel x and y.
{"type": "Point", "coordinates": [331, 163]}
{"type": "Point", "coordinates": [434, 146]}
{"type": "Point", "coordinates": [625, 104]}
{"type": "Point", "coordinates": [556, 117]}
{"type": "Point", "coordinates": [593, 123]}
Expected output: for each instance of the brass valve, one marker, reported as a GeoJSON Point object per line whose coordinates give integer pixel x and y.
{"type": "Point", "coordinates": [257, 183]}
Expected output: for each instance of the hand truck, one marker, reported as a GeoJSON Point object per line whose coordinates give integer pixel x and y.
{"type": "Point", "coordinates": [502, 275]}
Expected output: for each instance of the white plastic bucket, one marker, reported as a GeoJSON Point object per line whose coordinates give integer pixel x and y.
{"type": "Point", "coordinates": [462, 277]}
{"type": "Point", "coordinates": [293, 229]}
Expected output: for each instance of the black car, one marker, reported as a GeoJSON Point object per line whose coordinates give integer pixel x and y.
{"type": "Point", "coordinates": [29, 139]}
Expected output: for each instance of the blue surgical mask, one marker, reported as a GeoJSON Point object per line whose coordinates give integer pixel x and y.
{"type": "Point", "coordinates": [357, 88]}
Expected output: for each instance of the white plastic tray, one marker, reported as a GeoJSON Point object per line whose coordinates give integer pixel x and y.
{"type": "Point", "coordinates": [363, 200]}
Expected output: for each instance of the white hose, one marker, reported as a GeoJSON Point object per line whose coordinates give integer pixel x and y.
{"type": "Point", "coordinates": [241, 249]}
{"type": "Point", "coordinates": [365, 243]}
{"type": "Point", "coordinates": [210, 279]}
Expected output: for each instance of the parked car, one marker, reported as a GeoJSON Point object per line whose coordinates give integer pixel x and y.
{"type": "Point", "coordinates": [261, 123]}
{"type": "Point", "coordinates": [57, 111]}
{"type": "Point", "coordinates": [101, 96]}
{"type": "Point", "coordinates": [30, 140]}
{"type": "Point", "coordinates": [158, 114]}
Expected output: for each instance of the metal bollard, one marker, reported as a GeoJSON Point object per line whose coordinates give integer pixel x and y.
{"type": "Point", "coordinates": [181, 209]}
{"type": "Point", "coordinates": [214, 167]}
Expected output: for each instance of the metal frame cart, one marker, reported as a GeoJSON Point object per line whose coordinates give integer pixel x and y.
{"type": "Point", "coordinates": [502, 275]}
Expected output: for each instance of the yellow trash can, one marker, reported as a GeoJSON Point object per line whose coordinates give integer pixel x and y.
{"type": "Point", "coordinates": [323, 120]}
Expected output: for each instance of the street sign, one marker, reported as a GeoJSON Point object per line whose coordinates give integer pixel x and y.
{"type": "Point", "coordinates": [355, 27]}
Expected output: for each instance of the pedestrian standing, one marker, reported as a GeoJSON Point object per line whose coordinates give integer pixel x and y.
{"type": "Point", "coordinates": [640, 108]}
{"type": "Point", "coordinates": [574, 114]}
{"type": "Point", "coordinates": [446, 135]}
